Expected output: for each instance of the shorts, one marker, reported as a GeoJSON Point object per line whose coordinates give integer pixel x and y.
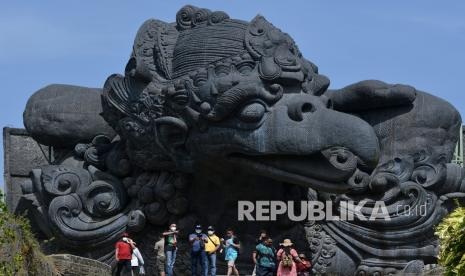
{"type": "Point", "coordinates": [160, 263]}
{"type": "Point", "coordinates": [231, 262]}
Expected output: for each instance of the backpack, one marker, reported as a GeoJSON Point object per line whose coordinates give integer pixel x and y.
{"type": "Point", "coordinates": [271, 257]}
{"type": "Point", "coordinates": [287, 259]}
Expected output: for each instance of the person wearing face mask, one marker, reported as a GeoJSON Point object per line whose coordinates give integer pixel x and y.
{"type": "Point", "coordinates": [170, 248]}
{"type": "Point", "coordinates": [198, 254]}
{"type": "Point", "coordinates": [212, 245]}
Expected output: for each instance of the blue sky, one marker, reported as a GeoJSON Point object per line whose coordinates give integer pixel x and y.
{"type": "Point", "coordinates": [416, 42]}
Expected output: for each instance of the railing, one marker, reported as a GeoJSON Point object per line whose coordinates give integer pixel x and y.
{"type": "Point", "coordinates": [458, 153]}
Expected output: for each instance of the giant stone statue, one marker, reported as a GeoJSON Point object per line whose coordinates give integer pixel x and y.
{"type": "Point", "coordinates": [212, 110]}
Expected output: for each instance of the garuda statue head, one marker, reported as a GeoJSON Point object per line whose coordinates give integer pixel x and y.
{"type": "Point", "coordinates": [213, 88]}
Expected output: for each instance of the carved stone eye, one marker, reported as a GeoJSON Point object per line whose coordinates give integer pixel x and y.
{"type": "Point", "coordinates": [257, 30]}
{"type": "Point", "coordinates": [63, 184]}
{"type": "Point", "coordinates": [252, 113]}
{"type": "Point", "coordinates": [245, 68]}
{"type": "Point", "coordinates": [200, 80]}
{"type": "Point", "coordinates": [425, 175]}
{"type": "Point", "coordinates": [222, 70]}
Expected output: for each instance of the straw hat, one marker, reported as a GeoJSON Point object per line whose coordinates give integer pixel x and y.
{"type": "Point", "coordinates": [287, 242]}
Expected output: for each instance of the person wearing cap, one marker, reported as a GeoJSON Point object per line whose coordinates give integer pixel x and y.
{"type": "Point", "coordinates": [265, 258]}
{"type": "Point", "coordinates": [123, 255]}
{"type": "Point", "coordinates": [287, 257]}
{"type": "Point", "coordinates": [304, 268]}
{"type": "Point", "coordinates": [211, 247]}
{"type": "Point", "coordinates": [198, 254]}
{"type": "Point", "coordinates": [171, 247]}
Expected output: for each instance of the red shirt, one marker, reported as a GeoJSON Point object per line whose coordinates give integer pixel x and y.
{"type": "Point", "coordinates": [305, 266]}
{"type": "Point", "coordinates": [124, 250]}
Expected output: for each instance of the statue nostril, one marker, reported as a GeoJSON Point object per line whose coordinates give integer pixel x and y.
{"type": "Point", "coordinates": [307, 108]}
{"type": "Point", "coordinates": [296, 111]}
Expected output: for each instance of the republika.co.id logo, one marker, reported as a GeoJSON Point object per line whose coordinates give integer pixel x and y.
{"type": "Point", "coordinates": [266, 210]}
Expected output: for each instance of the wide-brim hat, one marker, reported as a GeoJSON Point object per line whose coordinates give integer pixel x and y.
{"type": "Point", "coordinates": [286, 242]}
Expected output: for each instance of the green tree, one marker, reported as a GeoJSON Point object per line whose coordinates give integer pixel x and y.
{"type": "Point", "coordinates": [451, 232]}
{"type": "Point", "coordinates": [19, 250]}
{"type": "Point", "coordinates": [2, 202]}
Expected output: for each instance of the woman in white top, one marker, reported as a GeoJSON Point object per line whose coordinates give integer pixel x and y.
{"type": "Point", "coordinates": [137, 262]}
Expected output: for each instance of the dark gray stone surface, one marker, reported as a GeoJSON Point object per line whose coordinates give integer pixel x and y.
{"type": "Point", "coordinates": [212, 110]}
{"type": "Point", "coordinates": [21, 155]}
{"type": "Point", "coordinates": [64, 115]}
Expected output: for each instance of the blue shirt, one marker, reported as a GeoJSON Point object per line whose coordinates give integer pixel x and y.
{"type": "Point", "coordinates": [265, 256]}
{"type": "Point", "coordinates": [197, 244]}
{"type": "Point", "coordinates": [230, 252]}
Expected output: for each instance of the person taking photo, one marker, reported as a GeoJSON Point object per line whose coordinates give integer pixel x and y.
{"type": "Point", "coordinates": [198, 254]}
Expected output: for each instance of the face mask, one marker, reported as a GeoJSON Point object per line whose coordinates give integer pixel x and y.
{"type": "Point", "coordinates": [198, 231]}
{"type": "Point", "coordinates": [210, 233]}
{"type": "Point", "coordinates": [173, 228]}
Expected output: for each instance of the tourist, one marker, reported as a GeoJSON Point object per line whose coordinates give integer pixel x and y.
{"type": "Point", "coordinates": [123, 255]}
{"type": "Point", "coordinates": [198, 254]}
{"type": "Point", "coordinates": [287, 257]}
{"type": "Point", "coordinates": [231, 252]}
{"type": "Point", "coordinates": [160, 255]}
{"type": "Point", "coordinates": [137, 262]}
{"type": "Point", "coordinates": [212, 246]}
{"type": "Point", "coordinates": [170, 248]}
{"type": "Point", "coordinates": [261, 238]}
{"type": "Point", "coordinates": [265, 258]}
{"type": "Point", "coordinates": [305, 267]}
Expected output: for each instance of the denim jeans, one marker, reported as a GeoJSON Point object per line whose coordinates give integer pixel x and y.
{"type": "Point", "coordinates": [211, 258]}
{"type": "Point", "coordinates": [170, 259]}
{"type": "Point", "coordinates": [199, 257]}
{"type": "Point", "coordinates": [264, 271]}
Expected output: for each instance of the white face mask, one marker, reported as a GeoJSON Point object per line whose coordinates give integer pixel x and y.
{"type": "Point", "coordinates": [173, 228]}
{"type": "Point", "coordinates": [210, 232]}
{"type": "Point", "coordinates": [198, 231]}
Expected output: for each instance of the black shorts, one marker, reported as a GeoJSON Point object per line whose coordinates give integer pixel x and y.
{"type": "Point", "coordinates": [123, 266]}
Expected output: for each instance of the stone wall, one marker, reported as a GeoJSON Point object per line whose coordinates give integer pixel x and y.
{"type": "Point", "coordinates": [71, 265]}
{"type": "Point", "coordinates": [21, 155]}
